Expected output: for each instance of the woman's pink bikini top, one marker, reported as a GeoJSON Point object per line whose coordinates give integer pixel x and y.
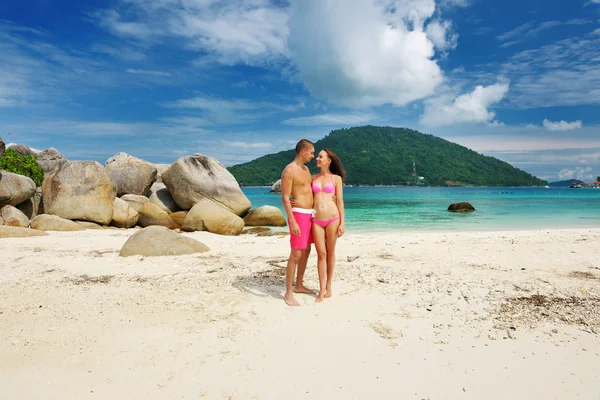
{"type": "Point", "coordinates": [328, 188]}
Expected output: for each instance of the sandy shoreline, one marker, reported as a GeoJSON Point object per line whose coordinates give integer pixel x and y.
{"type": "Point", "coordinates": [414, 315]}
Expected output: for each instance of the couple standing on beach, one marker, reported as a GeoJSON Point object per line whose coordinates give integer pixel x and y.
{"type": "Point", "coordinates": [315, 215]}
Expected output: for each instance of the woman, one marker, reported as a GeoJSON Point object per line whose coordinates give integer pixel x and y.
{"type": "Point", "coordinates": [328, 220]}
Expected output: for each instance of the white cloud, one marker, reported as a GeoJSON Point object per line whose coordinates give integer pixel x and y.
{"type": "Point", "coordinates": [531, 29]}
{"type": "Point", "coordinates": [122, 53]}
{"type": "Point", "coordinates": [237, 31]}
{"type": "Point", "coordinates": [372, 53]}
{"type": "Point", "coordinates": [147, 72]}
{"type": "Point", "coordinates": [466, 108]}
{"type": "Point", "coordinates": [581, 173]}
{"type": "Point", "coordinates": [561, 125]}
{"type": "Point", "coordinates": [330, 119]}
{"type": "Point", "coordinates": [250, 145]}
{"type": "Point", "coordinates": [221, 111]}
{"type": "Point", "coordinates": [437, 32]}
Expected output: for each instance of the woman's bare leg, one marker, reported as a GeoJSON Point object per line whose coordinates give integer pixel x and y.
{"type": "Point", "coordinates": [330, 241]}
{"type": "Point", "coordinates": [318, 233]}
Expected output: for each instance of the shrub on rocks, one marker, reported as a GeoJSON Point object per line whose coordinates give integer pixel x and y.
{"type": "Point", "coordinates": [15, 162]}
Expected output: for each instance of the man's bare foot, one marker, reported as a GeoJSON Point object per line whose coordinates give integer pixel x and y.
{"type": "Point", "coordinates": [290, 300]}
{"type": "Point", "coordinates": [304, 289]}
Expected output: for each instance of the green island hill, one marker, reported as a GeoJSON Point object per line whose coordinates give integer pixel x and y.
{"type": "Point", "coordinates": [378, 155]}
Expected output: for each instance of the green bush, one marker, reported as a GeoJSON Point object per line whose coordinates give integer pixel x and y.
{"type": "Point", "coordinates": [17, 163]}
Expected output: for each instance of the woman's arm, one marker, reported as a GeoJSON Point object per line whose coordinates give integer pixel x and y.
{"type": "Point", "coordinates": [339, 193]}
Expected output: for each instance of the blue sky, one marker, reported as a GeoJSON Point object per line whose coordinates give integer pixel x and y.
{"type": "Point", "coordinates": [159, 79]}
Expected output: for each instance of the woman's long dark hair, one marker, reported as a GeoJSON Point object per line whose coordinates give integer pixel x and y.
{"type": "Point", "coordinates": [336, 166]}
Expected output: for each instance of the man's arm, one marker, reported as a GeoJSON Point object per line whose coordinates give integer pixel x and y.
{"type": "Point", "coordinates": [287, 181]}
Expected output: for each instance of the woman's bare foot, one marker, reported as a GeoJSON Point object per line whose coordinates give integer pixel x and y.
{"type": "Point", "coordinates": [290, 300]}
{"type": "Point", "coordinates": [328, 293]}
{"type": "Point", "coordinates": [303, 289]}
{"type": "Point", "coordinates": [321, 297]}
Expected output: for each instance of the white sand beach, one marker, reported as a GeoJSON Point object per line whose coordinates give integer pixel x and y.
{"type": "Point", "coordinates": [414, 316]}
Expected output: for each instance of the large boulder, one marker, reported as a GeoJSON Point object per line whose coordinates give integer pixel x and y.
{"type": "Point", "coordinates": [46, 222]}
{"type": "Point", "coordinates": [22, 149]}
{"type": "Point", "coordinates": [178, 217]}
{"type": "Point", "coordinates": [15, 188]}
{"type": "Point", "coordinates": [194, 178]}
{"type": "Point", "coordinates": [33, 206]}
{"type": "Point", "coordinates": [123, 215]}
{"type": "Point", "coordinates": [12, 216]}
{"type": "Point", "coordinates": [159, 241]}
{"type": "Point", "coordinates": [132, 175]}
{"type": "Point", "coordinates": [151, 214]}
{"type": "Point", "coordinates": [160, 195]}
{"type": "Point", "coordinates": [89, 225]}
{"type": "Point", "coordinates": [265, 216]}
{"type": "Point", "coordinates": [80, 190]}
{"type": "Point", "coordinates": [160, 169]}
{"type": "Point", "coordinates": [210, 216]}
{"type": "Point", "coordinates": [50, 160]}
{"type": "Point", "coordinates": [461, 207]}
{"type": "Point", "coordinates": [135, 201]}
{"type": "Point", "coordinates": [16, 232]}
{"type": "Point", "coordinates": [276, 188]}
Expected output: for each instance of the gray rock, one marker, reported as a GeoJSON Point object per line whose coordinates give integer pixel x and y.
{"type": "Point", "coordinates": [15, 188]}
{"type": "Point", "coordinates": [132, 175]}
{"type": "Point", "coordinates": [12, 216]}
{"type": "Point", "coordinates": [159, 195]}
{"type": "Point", "coordinates": [16, 232]}
{"type": "Point", "coordinates": [151, 214]}
{"type": "Point", "coordinates": [33, 206]}
{"type": "Point", "coordinates": [80, 190]}
{"type": "Point", "coordinates": [47, 222]}
{"type": "Point", "coordinates": [210, 216]}
{"type": "Point", "coordinates": [22, 149]}
{"type": "Point", "coordinates": [276, 188]}
{"type": "Point", "coordinates": [123, 215]}
{"type": "Point", "coordinates": [265, 216]}
{"type": "Point", "coordinates": [159, 241]}
{"type": "Point", "coordinates": [461, 207]}
{"type": "Point", "coordinates": [50, 160]}
{"type": "Point", "coordinates": [194, 178]}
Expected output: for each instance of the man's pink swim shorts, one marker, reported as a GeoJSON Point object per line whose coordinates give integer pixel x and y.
{"type": "Point", "coordinates": [304, 219]}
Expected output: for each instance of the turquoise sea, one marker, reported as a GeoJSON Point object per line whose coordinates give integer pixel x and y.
{"type": "Point", "coordinates": [373, 209]}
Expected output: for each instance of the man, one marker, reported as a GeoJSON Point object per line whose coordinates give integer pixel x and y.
{"type": "Point", "coordinates": [296, 181]}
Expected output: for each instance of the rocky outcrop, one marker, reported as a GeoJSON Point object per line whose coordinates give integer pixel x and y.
{"type": "Point", "coordinates": [151, 214]}
{"type": "Point", "coordinates": [33, 206]}
{"type": "Point", "coordinates": [80, 190]}
{"type": "Point", "coordinates": [89, 225]}
{"type": "Point", "coordinates": [15, 188]}
{"type": "Point", "coordinates": [160, 169]}
{"type": "Point", "coordinates": [46, 222]}
{"type": "Point", "coordinates": [194, 178]}
{"type": "Point", "coordinates": [22, 149]}
{"type": "Point", "coordinates": [123, 215]}
{"type": "Point", "coordinates": [50, 160]}
{"type": "Point", "coordinates": [207, 215]}
{"type": "Point", "coordinates": [12, 216]}
{"type": "Point", "coordinates": [132, 175]}
{"type": "Point", "coordinates": [461, 207]}
{"type": "Point", "coordinates": [156, 241]}
{"type": "Point", "coordinates": [16, 232]}
{"type": "Point", "coordinates": [160, 195]}
{"type": "Point", "coordinates": [135, 201]}
{"type": "Point", "coordinates": [276, 188]}
{"type": "Point", "coordinates": [178, 217]}
{"type": "Point", "coordinates": [265, 216]}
